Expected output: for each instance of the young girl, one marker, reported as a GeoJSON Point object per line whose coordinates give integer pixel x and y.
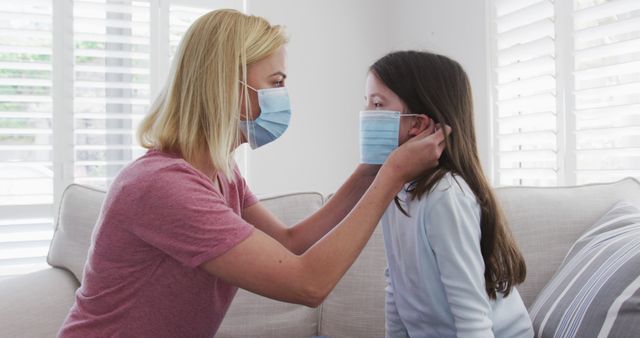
{"type": "Point", "coordinates": [452, 263]}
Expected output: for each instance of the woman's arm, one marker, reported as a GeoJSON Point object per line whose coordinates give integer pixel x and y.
{"type": "Point", "coordinates": [262, 265]}
{"type": "Point", "coordinates": [302, 236]}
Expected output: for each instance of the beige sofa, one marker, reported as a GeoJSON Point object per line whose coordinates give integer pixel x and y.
{"type": "Point", "coordinates": [545, 221]}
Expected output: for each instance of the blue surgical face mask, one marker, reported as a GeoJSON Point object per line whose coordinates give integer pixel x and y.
{"type": "Point", "coordinates": [379, 130]}
{"type": "Point", "coordinates": [275, 114]}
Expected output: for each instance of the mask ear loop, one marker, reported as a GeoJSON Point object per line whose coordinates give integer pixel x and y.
{"type": "Point", "coordinates": [250, 126]}
{"type": "Point", "coordinates": [247, 85]}
{"type": "Point", "coordinates": [245, 93]}
{"type": "Point", "coordinates": [247, 104]}
{"type": "Point", "coordinates": [409, 115]}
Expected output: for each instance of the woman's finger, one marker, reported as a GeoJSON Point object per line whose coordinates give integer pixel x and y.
{"type": "Point", "coordinates": [431, 128]}
{"type": "Point", "coordinates": [442, 143]}
{"type": "Point", "coordinates": [437, 136]}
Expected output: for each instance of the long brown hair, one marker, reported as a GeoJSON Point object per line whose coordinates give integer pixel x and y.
{"type": "Point", "coordinates": [437, 86]}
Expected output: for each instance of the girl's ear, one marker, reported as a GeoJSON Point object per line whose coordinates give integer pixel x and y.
{"type": "Point", "coordinates": [419, 124]}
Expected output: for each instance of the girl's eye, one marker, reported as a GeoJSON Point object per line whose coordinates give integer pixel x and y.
{"type": "Point", "coordinates": [377, 104]}
{"type": "Point", "coordinates": [278, 83]}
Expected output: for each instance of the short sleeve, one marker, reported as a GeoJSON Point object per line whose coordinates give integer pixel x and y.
{"type": "Point", "coordinates": [181, 214]}
{"type": "Point", "coordinates": [246, 196]}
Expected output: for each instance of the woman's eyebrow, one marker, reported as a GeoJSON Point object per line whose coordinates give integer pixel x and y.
{"type": "Point", "coordinates": [284, 76]}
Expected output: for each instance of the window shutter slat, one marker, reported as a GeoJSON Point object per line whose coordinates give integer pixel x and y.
{"type": "Point", "coordinates": [588, 13]}
{"type": "Point", "coordinates": [523, 34]}
{"type": "Point", "coordinates": [526, 51]}
{"type": "Point", "coordinates": [506, 7]}
{"type": "Point", "coordinates": [530, 14]}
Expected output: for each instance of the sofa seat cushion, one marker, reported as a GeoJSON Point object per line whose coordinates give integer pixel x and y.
{"type": "Point", "coordinates": [355, 308]}
{"type": "Point", "coordinates": [36, 304]}
{"type": "Point", "coordinates": [596, 290]}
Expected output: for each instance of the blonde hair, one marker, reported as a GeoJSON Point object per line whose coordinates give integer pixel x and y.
{"type": "Point", "coordinates": [198, 110]}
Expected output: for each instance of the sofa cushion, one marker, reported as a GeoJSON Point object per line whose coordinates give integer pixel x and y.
{"type": "Point", "coordinates": [355, 308]}
{"type": "Point", "coordinates": [547, 221]}
{"type": "Point", "coordinates": [79, 210]}
{"type": "Point", "coordinates": [596, 290]}
{"type": "Point", "coordinates": [36, 304]}
{"type": "Point", "coordinates": [251, 315]}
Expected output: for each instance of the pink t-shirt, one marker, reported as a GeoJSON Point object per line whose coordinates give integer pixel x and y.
{"type": "Point", "coordinates": [161, 219]}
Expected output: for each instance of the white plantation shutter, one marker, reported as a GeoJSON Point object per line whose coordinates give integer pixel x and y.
{"type": "Point", "coordinates": [26, 158]}
{"type": "Point", "coordinates": [607, 89]}
{"type": "Point", "coordinates": [566, 91]}
{"type": "Point", "coordinates": [112, 57]}
{"type": "Point", "coordinates": [180, 18]}
{"type": "Point", "coordinates": [525, 93]}
{"type": "Point", "coordinates": [111, 87]}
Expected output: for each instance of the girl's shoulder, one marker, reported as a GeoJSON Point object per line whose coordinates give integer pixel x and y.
{"type": "Point", "coordinates": [449, 191]}
{"type": "Point", "coordinates": [450, 199]}
{"type": "Point", "coordinates": [453, 186]}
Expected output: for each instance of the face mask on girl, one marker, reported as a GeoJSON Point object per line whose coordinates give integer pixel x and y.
{"type": "Point", "coordinates": [379, 131]}
{"type": "Point", "coordinates": [275, 114]}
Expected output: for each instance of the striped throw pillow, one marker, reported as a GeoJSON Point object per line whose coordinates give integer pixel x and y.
{"type": "Point", "coordinates": [596, 290]}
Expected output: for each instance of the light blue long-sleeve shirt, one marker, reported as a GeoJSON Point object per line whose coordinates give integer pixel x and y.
{"type": "Point", "coordinates": [435, 277]}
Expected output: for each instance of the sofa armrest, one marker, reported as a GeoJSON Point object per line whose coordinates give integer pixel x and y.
{"type": "Point", "coordinates": [36, 304]}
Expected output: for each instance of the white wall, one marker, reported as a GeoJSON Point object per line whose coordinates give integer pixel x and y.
{"type": "Point", "coordinates": [332, 44]}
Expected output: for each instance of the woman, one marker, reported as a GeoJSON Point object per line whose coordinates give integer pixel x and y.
{"type": "Point", "coordinates": [452, 263]}
{"type": "Point", "coordinates": [180, 231]}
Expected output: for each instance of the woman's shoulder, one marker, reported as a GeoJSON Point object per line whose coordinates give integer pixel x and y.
{"type": "Point", "coordinates": [157, 169]}
{"type": "Point", "coordinates": [154, 162]}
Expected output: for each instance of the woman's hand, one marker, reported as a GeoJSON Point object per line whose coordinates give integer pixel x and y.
{"type": "Point", "coordinates": [418, 154]}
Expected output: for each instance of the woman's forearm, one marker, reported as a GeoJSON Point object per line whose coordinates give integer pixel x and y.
{"type": "Point", "coordinates": [327, 260]}
{"type": "Point", "coordinates": [309, 231]}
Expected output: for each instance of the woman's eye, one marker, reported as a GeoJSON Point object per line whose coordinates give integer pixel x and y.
{"type": "Point", "coordinates": [377, 104]}
{"type": "Point", "coordinates": [278, 83]}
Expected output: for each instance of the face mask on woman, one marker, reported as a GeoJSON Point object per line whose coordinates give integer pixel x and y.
{"type": "Point", "coordinates": [379, 131]}
{"type": "Point", "coordinates": [275, 114]}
